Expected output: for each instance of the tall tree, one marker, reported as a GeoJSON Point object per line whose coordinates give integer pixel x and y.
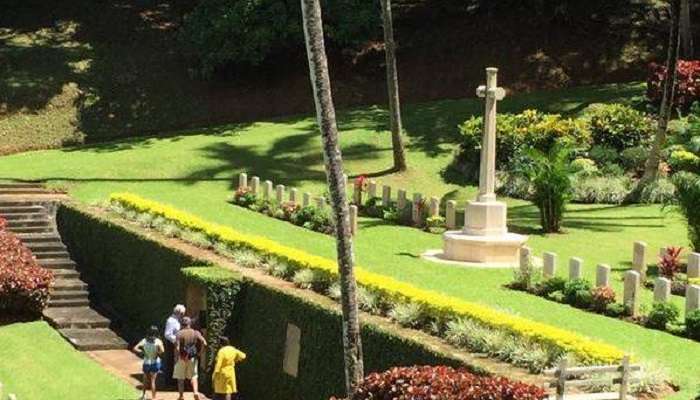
{"type": "Point", "coordinates": [686, 31]}
{"type": "Point", "coordinates": [325, 114]}
{"type": "Point", "coordinates": [651, 168]}
{"type": "Point", "coordinates": [392, 84]}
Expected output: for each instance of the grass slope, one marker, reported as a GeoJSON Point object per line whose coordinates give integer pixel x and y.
{"type": "Point", "coordinates": [197, 171]}
{"type": "Point", "coordinates": [39, 364]}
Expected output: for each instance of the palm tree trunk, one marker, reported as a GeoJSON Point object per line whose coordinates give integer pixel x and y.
{"type": "Point", "coordinates": [651, 168]}
{"type": "Point", "coordinates": [392, 83]}
{"type": "Point", "coordinates": [325, 113]}
{"type": "Point", "coordinates": [686, 31]}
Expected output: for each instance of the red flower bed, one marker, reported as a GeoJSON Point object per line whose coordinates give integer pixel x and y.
{"type": "Point", "coordinates": [24, 285]}
{"type": "Point", "coordinates": [444, 383]}
{"type": "Point", "coordinates": [687, 83]}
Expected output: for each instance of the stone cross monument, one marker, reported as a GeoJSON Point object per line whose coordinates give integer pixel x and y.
{"type": "Point", "coordinates": [485, 239]}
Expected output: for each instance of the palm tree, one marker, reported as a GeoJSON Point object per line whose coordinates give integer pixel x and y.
{"type": "Point", "coordinates": [651, 168]}
{"type": "Point", "coordinates": [392, 83]}
{"type": "Point", "coordinates": [325, 113]}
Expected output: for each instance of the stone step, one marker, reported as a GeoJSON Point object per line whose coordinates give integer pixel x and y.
{"type": "Point", "coordinates": [68, 285]}
{"type": "Point", "coordinates": [75, 317]}
{"type": "Point", "coordinates": [81, 302]}
{"type": "Point", "coordinates": [30, 238]}
{"type": "Point", "coordinates": [20, 223]}
{"type": "Point", "coordinates": [57, 263]}
{"type": "Point", "coordinates": [14, 191]}
{"type": "Point", "coordinates": [93, 339]}
{"type": "Point", "coordinates": [24, 209]}
{"type": "Point", "coordinates": [50, 254]}
{"type": "Point", "coordinates": [69, 294]}
{"type": "Point", "coordinates": [45, 247]}
{"type": "Point", "coordinates": [32, 185]}
{"type": "Point", "coordinates": [6, 203]}
{"type": "Point", "coordinates": [31, 229]}
{"type": "Point", "coordinates": [65, 274]}
{"type": "Point", "coordinates": [39, 215]}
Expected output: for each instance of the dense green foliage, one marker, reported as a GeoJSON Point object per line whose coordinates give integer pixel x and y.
{"type": "Point", "coordinates": [662, 314]}
{"type": "Point", "coordinates": [688, 198]}
{"type": "Point", "coordinates": [692, 324]}
{"type": "Point", "coordinates": [220, 32]}
{"type": "Point", "coordinates": [40, 364]}
{"type": "Point", "coordinates": [221, 286]}
{"type": "Point", "coordinates": [618, 126]}
{"type": "Point", "coordinates": [321, 357]}
{"type": "Point", "coordinates": [136, 279]}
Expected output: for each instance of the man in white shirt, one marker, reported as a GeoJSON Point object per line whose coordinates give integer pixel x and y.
{"type": "Point", "coordinates": [172, 327]}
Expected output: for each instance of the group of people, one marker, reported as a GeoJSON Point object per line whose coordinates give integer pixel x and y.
{"type": "Point", "coordinates": [180, 353]}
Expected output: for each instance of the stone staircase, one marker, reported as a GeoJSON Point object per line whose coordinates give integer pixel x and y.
{"type": "Point", "coordinates": [28, 211]}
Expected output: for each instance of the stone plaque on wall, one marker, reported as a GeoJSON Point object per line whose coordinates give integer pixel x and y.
{"type": "Point", "coordinates": [292, 348]}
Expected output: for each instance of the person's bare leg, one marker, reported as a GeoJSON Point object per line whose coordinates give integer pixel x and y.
{"type": "Point", "coordinates": [144, 385]}
{"type": "Point", "coordinates": [228, 396]}
{"type": "Point", "coordinates": [181, 388]}
{"type": "Point", "coordinates": [195, 388]}
{"type": "Point", "coordinates": [154, 390]}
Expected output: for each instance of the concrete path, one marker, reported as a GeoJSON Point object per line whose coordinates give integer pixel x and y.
{"type": "Point", "coordinates": [126, 365]}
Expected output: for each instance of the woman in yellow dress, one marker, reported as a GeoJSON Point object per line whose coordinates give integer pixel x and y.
{"type": "Point", "coordinates": [224, 371]}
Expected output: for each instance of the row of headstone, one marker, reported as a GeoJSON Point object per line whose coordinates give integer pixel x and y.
{"type": "Point", "coordinates": [632, 280]}
{"type": "Point", "coordinates": [639, 260]}
{"type": "Point", "coordinates": [279, 192]}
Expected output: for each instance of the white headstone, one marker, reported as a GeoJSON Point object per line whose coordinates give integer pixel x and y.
{"type": "Point", "coordinates": [693, 265]}
{"type": "Point", "coordinates": [321, 202]}
{"type": "Point", "coordinates": [293, 195]}
{"type": "Point", "coordinates": [434, 206]}
{"type": "Point", "coordinates": [525, 254]}
{"type": "Point", "coordinates": [487, 167]}
{"type": "Point", "coordinates": [692, 298]}
{"type": "Point", "coordinates": [639, 257]}
{"type": "Point", "coordinates": [306, 199]}
{"type": "Point", "coordinates": [575, 268]}
{"type": "Point", "coordinates": [386, 195]}
{"type": "Point", "coordinates": [602, 275]}
{"type": "Point", "coordinates": [242, 180]}
{"type": "Point", "coordinates": [267, 190]}
{"type": "Point", "coordinates": [357, 193]}
{"type": "Point", "coordinates": [254, 184]}
{"type": "Point", "coordinates": [401, 199]}
{"type": "Point", "coordinates": [280, 193]}
{"type": "Point", "coordinates": [662, 290]}
{"type": "Point", "coordinates": [549, 260]}
{"type": "Point", "coordinates": [631, 292]}
{"type": "Point", "coordinates": [372, 189]}
{"type": "Point", "coordinates": [292, 350]}
{"type": "Point", "coordinates": [451, 214]}
{"type": "Point", "coordinates": [353, 219]}
{"type": "Point", "coordinates": [345, 181]}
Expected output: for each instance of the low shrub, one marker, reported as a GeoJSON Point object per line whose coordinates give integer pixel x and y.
{"type": "Point", "coordinates": [584, 167]}
{"type": "Point", "coordinates": [659, 191]}
{"type": "Point", "coordinates": [634, 158]}
{"type": "Point", "coordinates": [244, 197]}
{"type": "Point", "coordinates": [687, 199]}
{"type": "Point", "coordinates": [445, 383]}
{"type": "Point", "coordinates": [618, 126]}
{"type": "Point", "coordinates": [662, 314]}
{"type": "Point", "coordinates": [692, 324]}
{"type": "Point", "coordinates": [601, 189]}
{"type": "Point", "coordinates": [604, 155]}
{"type": "Point", "coordinates": [687, 83]}
{"type": "Point", "coordinates": [615, 310]}
{"type": "Point", "coordinates": [551, 285]}
{"type": "Point", "coordinates": [24, 285]}
{"type": "Point", "coordinates": [683, 160]}
{"type": "Point", "coordinates": [577, 292]}
{"type": "Point", "coordinates": [516, 132]}
{"type": "Point", "coordinates": [601, 297]}
{"type": "Point", "coordinates": [410, 315]}
{"type": "Point", "coordinates": [670, 262]}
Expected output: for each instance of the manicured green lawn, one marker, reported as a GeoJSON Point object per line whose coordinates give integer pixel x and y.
{"type": "Point", "coordinates": [197, 171]}
{"type": "Point", "coordinates": [38, 364]}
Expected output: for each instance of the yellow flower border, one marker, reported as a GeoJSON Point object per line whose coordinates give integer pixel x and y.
{"type": "Point", "coordinates": [587, 350]}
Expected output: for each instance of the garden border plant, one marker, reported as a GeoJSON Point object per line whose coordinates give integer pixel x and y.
{"type": "Point", "coordinates": [439, 307]}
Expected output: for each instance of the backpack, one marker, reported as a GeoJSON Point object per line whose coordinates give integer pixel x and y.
{"type": "Point", "coordinates": [189, 351]}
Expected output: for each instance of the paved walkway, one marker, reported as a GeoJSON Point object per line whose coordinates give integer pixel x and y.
{"type": "Point", "coordinates": [126, 365]}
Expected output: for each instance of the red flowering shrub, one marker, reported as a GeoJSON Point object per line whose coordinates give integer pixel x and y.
{"type": "Point", "coordinates": [601, 297]}
{"type": "Point", "coordinates": [687, 83]}
{"type": "Point", "coordinates": [24, 285]}
{"type": "Point", "coordinates": [670, 263]}
{"type": "Point", "coordinates": [444, 383]}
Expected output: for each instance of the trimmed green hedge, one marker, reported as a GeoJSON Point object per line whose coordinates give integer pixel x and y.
{"type": "Point", "coordinates": [133, 278]}
{"type": "Point", "coordinates": [141, 279]}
